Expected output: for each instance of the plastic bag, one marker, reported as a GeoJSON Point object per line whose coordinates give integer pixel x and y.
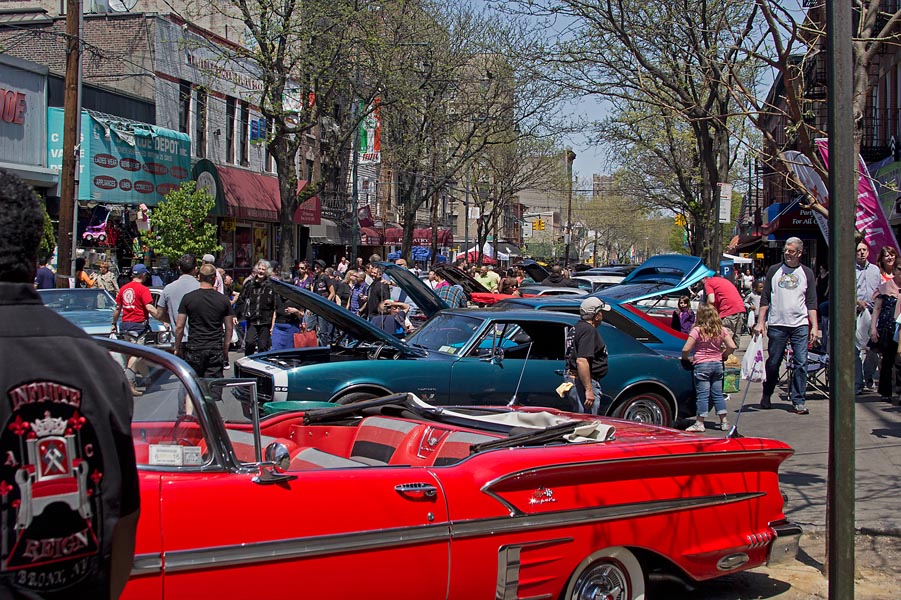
{"type": "Point", "coordinates": [752, 367]}
{"type": "Point", "coordinates": [863, 329]}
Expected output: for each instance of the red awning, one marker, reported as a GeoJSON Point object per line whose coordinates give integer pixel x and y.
{"type": "Point", "coordinates": [255, 196]}
{"type": "Point", "coordinates": [250, 195]}
{"type": "Point", "coordinates": [310, 210]}
{"type": "Point", "coordinates": [421, 237]}
{"type": "Point", "coordinates": [370, 236]}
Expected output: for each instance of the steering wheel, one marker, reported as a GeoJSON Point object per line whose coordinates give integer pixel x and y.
{"type": "Point", "coordinates": [186, 418]}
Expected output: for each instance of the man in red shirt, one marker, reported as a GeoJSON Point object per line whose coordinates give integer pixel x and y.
{"type": "Point", "coordinates": [727, 301]}
{"type": "Point", "coordinates": [135, 304]}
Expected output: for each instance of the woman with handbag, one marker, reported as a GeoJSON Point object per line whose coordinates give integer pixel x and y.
{"type": "Point", "coordinates": [882, 331]}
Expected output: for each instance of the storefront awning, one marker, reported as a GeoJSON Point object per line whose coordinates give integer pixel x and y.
{"type": "Point", "coordinates": [250, 195]}
{"type": "Point", "coordinates": [325, 233]}
{"type": "Point", "coordinates": [369, 236]}
{"type": "Point", "coordinates": [253, 196]}
{"type": "Point", "coordinates": [421, 237]}
{"type": "Point", "coordinates": [511, 250]}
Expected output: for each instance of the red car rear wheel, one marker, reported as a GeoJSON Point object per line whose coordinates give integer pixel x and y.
{"type": "Point", "coordinates": [612, 574]}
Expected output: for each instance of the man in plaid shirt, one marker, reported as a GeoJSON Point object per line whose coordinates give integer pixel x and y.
{"type": "Point", "coordinates": [453, 295]}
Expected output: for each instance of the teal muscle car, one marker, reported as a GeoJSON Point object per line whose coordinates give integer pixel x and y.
{"type": "Point", "coordinates": [466, 356]}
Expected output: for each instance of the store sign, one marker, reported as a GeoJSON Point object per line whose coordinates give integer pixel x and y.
{"type": "Point", "coordinates": [125, 162]}
{"type": "Point", "coordinates": [13, 106]}
{"type": "Point", "coordinates": [23, 114]}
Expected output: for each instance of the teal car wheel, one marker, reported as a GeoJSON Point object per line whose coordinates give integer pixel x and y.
{"type": "Point", "coordinates": [645, 407]}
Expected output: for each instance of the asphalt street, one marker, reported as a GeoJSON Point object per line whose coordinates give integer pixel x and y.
{"type": "Point", "coordinates": [877, 432]}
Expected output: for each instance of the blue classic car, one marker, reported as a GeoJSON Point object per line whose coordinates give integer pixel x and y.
{"type": "Point", "coordinates": [92, 310]}
{"type": "Point", "coordinates": [465, 356]}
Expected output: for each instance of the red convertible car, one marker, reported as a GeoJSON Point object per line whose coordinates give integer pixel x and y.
{"type": "Point", "coordinates": [394, 498]}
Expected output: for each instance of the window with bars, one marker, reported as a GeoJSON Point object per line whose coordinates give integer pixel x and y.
{"type": "Point", "coordinates": [229, 129]}
{"type": "Point", "coordinates": [184, 106]}
{"type": "Point", "coordinates": [244, 132]}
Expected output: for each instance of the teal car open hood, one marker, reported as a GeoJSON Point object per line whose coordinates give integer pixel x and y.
{"type": "Point", "coordinates": [340, 317]}
{"type": "Point", "coordinates": [665, 274]}
{"type": "Point", "coordinates": [421, 294]}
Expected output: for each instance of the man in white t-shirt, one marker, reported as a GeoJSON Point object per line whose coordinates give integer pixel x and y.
{"type": "Point", "coordinates": [788, 315]}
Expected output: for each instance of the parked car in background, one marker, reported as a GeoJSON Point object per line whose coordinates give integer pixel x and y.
{"type": "Point", "coordinates": [538, 291]}
{"type": "Point", "coordinates": [474, 356]}
{"type": "Point", "coordinates": [482, 501]}
{"type": "Point", "coordinates": [92, 310]}
{"type": "Point", "coordinates": [653, 288]}
{"type": "Point", "coordinates": [592, 282]}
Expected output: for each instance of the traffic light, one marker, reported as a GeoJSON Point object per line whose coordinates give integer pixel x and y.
{"type": "Point", "coordinates": [539, 225]}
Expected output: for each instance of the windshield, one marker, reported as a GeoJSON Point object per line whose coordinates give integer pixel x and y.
{"type": "Point", "coordinates": [447, 333]}
{"type": "Point", "coordinates": [77, 300]}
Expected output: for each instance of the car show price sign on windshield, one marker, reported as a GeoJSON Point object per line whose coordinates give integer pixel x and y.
{"type": "Point", "coordinates": [123, 162]}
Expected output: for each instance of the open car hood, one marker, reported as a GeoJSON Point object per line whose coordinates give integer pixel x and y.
{"type": "Point", "coordinates": [658, 276]}
{"type": "Point", "coordinates": [459, 277]}
{"type": "Point", "coordinates": [533, 270]}
{"type": "Point", "coordinates": [339, 316]}
{"type": "Point", "coordinates": [421, 294]}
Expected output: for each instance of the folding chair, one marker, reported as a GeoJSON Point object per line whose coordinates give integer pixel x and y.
{"type": "Point", "coordinates": [817, 372]}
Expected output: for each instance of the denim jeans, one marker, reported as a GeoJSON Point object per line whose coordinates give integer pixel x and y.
{"type": "Point", "coordinates": [577, 395]}
{"type": "Point", "coordinates": [865, 369]}
{"type": "Point", "coordinates": [709, 386]}
{"type": "Point", "coordinates": [779, 338]}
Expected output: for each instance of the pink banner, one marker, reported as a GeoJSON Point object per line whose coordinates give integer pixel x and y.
{"type": "Point", "coordinates": [869, 218]}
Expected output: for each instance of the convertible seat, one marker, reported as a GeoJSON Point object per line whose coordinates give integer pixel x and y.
{"type": "Point", "coordinates": [378, 439]}
{"type": "Point", "coordinates": [311, 458]}
{"type": "Point", "coordinates": [457, 447]}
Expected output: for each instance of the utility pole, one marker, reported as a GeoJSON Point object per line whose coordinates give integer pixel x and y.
{"type": "Point", "coordinates": [71, 133]}
{"type": "Point", "coordinates": [840, 529]}
{"type": "Point", "coordinates": [570, 157]}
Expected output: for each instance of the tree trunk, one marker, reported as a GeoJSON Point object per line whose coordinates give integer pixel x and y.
{"type": "Point", "coordinates": [285, 154]}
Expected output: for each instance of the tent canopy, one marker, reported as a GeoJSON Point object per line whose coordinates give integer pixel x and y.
{"type": "Point", "coordinates": [739, 260]}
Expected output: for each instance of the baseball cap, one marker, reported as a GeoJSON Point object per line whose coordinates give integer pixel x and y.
{"type": "Point", "coordinates": [591, 306]}
{"type": "Point", "coordinates": [209, 258]}
{"type": "Point", "coordinates": [319, 263]}
{"type": "Point", "coordinates": [139, 269]}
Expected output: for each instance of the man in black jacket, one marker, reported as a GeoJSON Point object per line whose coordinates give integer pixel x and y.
{"type": "Point", "coordinates": [65, 412]}
{"type": "Point", "coordinates": [256, 304]}
{"type": "Point", "coordinates": [558, 278]}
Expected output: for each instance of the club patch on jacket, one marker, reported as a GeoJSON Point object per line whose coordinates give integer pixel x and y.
{"type": "Point", "coordinates": [50, 488]}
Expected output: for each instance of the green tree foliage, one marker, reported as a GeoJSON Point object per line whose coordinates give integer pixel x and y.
{"type": "Point", "coordinates": [179, 225]}
{"type": "Point", "coordinates": [48, 238]}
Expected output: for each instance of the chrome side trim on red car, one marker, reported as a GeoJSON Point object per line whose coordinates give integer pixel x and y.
{"type": "Point", "coordinates": [548, 470]}
{"type": "Point", "coordinates": [509, 565]}
{"type": "Point", "coordinates": [188, 560]}
{"type": "Point", "coordinates": [309, 547]}
{"type": "Point", "coordinates": [587, 516]}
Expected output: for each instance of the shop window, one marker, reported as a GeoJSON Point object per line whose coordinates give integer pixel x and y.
{"type": "Point", "coordinates": [184, 106]}
{"type": "Point", "coordinates": [200, 105]}
{"type": "Point", "coordinates": [229, 129]}
{"type": "Point", "coordinates": [244, 132]}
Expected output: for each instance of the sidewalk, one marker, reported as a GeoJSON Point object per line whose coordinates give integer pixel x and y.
{"type": "Point", "coordinates": [803, 476]}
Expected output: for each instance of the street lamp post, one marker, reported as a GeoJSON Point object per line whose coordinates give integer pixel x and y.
{"type": "Point", "coordinates": [570, 157]}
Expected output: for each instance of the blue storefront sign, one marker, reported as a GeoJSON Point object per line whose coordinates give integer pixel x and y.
{"type": "Point", "coordinates": [123, 162]}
